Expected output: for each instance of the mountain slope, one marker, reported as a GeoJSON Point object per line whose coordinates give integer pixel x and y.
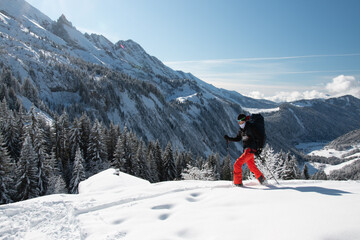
{"type": "Point", "coordinates": [116, 207]}
{"type": "Point", "coordinates": [312, 121]}
{"type": "Point", "coordinates": [122, 83]}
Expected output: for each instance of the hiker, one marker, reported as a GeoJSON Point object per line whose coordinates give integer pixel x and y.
{"type": "Point", "coordinates": [250, 137]}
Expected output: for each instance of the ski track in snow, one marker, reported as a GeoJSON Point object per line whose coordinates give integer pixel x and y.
{"type": "Point", "coordinates": [123, 207]}
{"type": "Point", "coordinates": [39, 220]}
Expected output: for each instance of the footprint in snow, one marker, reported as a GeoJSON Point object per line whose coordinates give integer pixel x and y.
{"type": "Point", "coordinates": [164, 216]}
{"type": "Point", "coordinates": [193, 197]}
{"type": "Point", "coordinates": [165, 206]}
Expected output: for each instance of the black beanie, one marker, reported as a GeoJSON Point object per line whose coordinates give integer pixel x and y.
{"type": "Point", "coordinates": [241, 117]}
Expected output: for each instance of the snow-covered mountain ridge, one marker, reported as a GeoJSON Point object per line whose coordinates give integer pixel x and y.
{"type": "Point", "coordinates": [122, 83]}
{"type": "Point", "coordinates": [123, 207]}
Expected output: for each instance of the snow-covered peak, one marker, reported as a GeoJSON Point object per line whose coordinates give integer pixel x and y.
{"type": "Point", "coordinates": [20, 9]}
{"type": "Point", "coordinates": [100, 41]}
{"type": "Point", "coordinates": [63, 20]}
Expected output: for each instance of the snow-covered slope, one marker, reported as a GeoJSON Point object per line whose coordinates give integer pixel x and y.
{"type": "Point", "coordinates": [121, 82]}
{"type": "Point", "coordinates": [344, 150]}
{"type": "Point", "coordinates": [117, 82]}
{"type": "Point", "coordinates": [129, 208]}
{"type": "Point", "coordinates": [348, 157]}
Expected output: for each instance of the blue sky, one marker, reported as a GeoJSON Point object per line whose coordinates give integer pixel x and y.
{"type": "Point", "coordinates": [275, 49]}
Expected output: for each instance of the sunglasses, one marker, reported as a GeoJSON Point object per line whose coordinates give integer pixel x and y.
{"type": "Point", "coordinates": [242, 119]}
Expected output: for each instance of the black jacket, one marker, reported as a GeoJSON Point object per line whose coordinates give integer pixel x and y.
{"type": "Point", "coordinates": [248, 135]}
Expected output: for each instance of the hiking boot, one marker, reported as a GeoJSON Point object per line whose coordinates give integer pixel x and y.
{"type": "Point", "coordinates": [262, 180]}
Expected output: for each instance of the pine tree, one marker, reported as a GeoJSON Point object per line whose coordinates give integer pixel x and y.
{"type": "Point", "coordinates": [75, 137]}
{"type": "Point", "coordinates": [6, 169]}
{"type": "Point", "coordinates": [123, 156]}
{"type": "Point", "coordinates": [226, 169]}
{"type": "Point", "coordinates": [132, 146]}
{"type": "Point", "coordinates": [272, 161]}
{"type": "Point", "coordinates": [97, 153]}
{"type": "Point", "coordinates": [143, 168]}
{"type": "Point", "coordinates": [214, 161]}
{"type": "Point", "coordinates": [29, 91]}
{"type": "Point", "coordinates": [159, 162]}
{"type": "Point", "coordinates": [85, 127]}
{"type": "Point", "coordinates": [169, 164]}
{"type": "Point", "coordinates": [118, 160]}
{"type": "Point", "coordinates": [111, 139]}
{"type": "Point", "coordinates": [180, 164]}
{"type": "Point", "coordinates": [320, 175]}
{"type": "Point", "coordinates": [78, 172]}
{"type": "Point", "coordinates": [62, 145]}
{"type": "Point", "coordinates": [27, 172]}
{"type": "Point", "coordinates": [305, 172]}
{"type": "Point", "coordinates": [37, 136]}
{"type": "Point", "coordinates": [288, 171]}
{"type": "Point", "coordinates": [56, 182]}
{"type": "Point", "coordinates": [150, 158]}
{"type": "Point", "coordinates": [206, 173]}
{"type": "Point", "coordinates": [12, 135]}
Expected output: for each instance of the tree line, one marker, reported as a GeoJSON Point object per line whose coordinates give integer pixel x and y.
{"type": "Point", "coordinates": [40, 155]}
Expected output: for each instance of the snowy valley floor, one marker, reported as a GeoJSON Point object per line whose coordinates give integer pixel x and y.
{"type": "Point", "coordinates": [124, 207]}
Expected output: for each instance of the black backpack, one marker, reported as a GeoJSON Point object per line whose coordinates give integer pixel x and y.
{"type": "Point", "coordinates": [257, 121]}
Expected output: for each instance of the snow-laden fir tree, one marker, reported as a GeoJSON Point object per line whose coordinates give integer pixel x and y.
{"type": "Point", "coordinates": [85, 126]}
{"type": "Point", "coordinates": [214, 162]}
{"type": "Point", "coordinates": [123, 156]}
{"type": "Point", "coordinates": [75, 137]}
{"type": "Point", "coordinates": [37, 136]}
{"type": "Point", "coordinates": [97, 153]}
{"type": "Point", "coordinates": [226, 169]}
{"type": "Point", "coordinates": [180, 164]}
{"type": "Point", "coordinates": [169, 164]}
{"type": "Point", "coordinates": [118, 161]}
{"type": "Point", "coordinates": [56, 183]}
{"type": "Point", "coordinates": [141, 163]}
{"type": "Point", "coordinates": [159, 162]}
{"type": "Point", "coordinates": [150, 159]}
{"type": "Point", "coordinates": [62, 144]}
{"type": "Point", "coordinates": [27, 172]}
{"type": "Point", "coordinates": [305, 172]}
{"type": "Point", "coordinates": [111, 139]}
{"type": "Point", "coordinates": [11, 134]}
{"type": "Point", "coordinates": [206, 173]}
{"type": "Point", "coordinates": [290, 169]}
{"type": "Point", "coordinates": [78, 172]}
{"type": "Point", "coordinates": [6, 170]}
{"type": "Point", "coordinates": [271, 159]}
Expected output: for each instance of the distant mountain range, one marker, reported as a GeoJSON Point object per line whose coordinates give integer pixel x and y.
{"type": "Point", "coordinates": [122, 83]}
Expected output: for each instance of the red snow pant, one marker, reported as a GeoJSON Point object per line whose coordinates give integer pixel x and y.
{"type": "Point", "coordinates": [246, 157]}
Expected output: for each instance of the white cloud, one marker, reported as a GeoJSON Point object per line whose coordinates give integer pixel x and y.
{"type": "Point", "coordinates": [339, 86]}
{"type": "Point", "coordinates": [344, 85]}
{"type": "Point", "coordinates": [296, 95]}
{"type": "Point", "coordinates": [256, 95]}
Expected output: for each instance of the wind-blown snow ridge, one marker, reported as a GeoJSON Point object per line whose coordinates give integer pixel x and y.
{"type": "Point", "coordinates": [129, 208]}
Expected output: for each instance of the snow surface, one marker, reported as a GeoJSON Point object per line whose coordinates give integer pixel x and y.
{"type": "Point", "coordinates": [329, 152]}
{"type": "Point", "coordinates": [328, 168]}
{"type": "Point", "coordinates": [112, 206]}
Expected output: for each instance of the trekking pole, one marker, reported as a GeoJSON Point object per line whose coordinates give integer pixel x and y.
{"type": "Point", "coordinates": [227, 142]}
{"type": "Point", "coordinates": [268, 170]}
